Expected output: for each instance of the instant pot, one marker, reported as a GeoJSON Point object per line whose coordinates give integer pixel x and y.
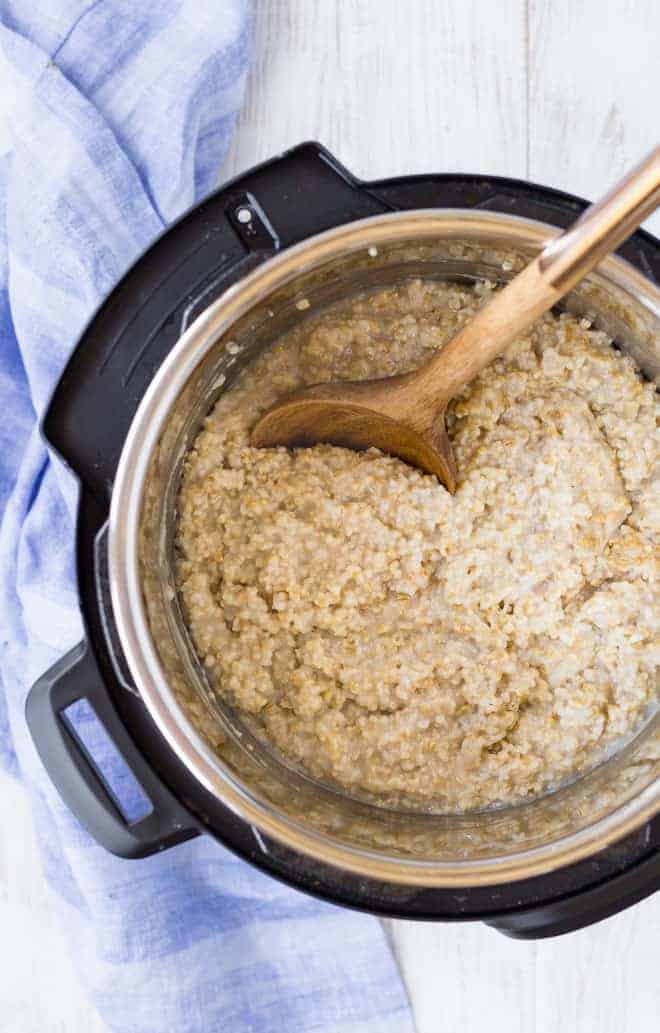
{"type": "Point", "coordinates": [220, 285]}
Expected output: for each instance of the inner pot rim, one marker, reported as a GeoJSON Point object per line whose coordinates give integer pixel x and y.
{"type": "Point", "coordinates": [125, 580]}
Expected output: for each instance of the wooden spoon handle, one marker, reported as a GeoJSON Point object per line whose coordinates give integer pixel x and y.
{"type": "Point", "coordinates": [564, 261]}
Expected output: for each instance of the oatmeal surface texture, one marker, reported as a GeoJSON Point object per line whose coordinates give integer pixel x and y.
{"type": "Point", "coordinates": [451, 652]}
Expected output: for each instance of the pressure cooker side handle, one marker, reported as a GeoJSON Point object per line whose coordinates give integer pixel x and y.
{"type": "Point", "coordinates": [74, 678]}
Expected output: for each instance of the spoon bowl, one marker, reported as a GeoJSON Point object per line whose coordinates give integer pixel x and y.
{"type": "Point", "coordinates": [358, 415]}
{"type": "Point", "coordinates": [404, 415]}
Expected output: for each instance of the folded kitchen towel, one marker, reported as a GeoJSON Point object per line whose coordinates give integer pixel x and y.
{"type": "Point", "coordinates": [120, 115]}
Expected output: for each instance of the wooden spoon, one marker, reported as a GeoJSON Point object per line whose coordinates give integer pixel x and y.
{"type": "Point", "coordinates": [405, 415]}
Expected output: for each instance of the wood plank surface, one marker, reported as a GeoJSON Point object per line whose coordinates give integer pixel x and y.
{"type": "Point", "coordinates": [390, 87]}
{"type": "Point", "coordinates": [594, 85]}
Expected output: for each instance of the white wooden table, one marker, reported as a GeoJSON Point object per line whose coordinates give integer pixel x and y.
{"type": "Point", "coordinates": [557, 91]}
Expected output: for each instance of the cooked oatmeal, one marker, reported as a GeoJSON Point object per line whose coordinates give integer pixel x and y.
{"type": "Point", "coordinates": [453, 651]}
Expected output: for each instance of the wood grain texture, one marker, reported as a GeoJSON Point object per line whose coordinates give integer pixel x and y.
{"type": "Point", "coordinates": [389, 87]}
{"type": "Point", "coordinates": [469, 978]}
{"type": "Point", "coordinates": [594, 83]}
{"type": "Point", "coordinates": [560, 91]}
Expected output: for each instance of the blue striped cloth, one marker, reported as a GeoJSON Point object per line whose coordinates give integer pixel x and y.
{"type": "Point", "coordinates": [121, 114]}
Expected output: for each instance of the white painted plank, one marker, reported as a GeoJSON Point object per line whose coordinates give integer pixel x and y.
{"type": "Point", "coordinates": [602, 979]}
{"type": "Point", "coordinates": [594, 85]}
{"type": "Point", "coordinates": [390, 87]}
{"type": "Point", "coordinates": [466, 978]}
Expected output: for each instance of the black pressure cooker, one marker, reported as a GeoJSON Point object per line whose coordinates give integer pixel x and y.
{"type": "Point", "coordinates": [148, 367]}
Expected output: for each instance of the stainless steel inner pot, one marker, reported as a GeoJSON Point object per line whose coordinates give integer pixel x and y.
{"type": "Point", "coordinates": [412, 848]}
